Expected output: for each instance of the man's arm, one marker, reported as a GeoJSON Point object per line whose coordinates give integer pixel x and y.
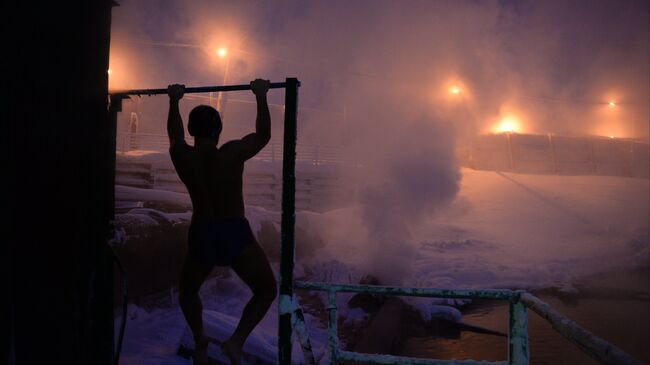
{"type": "Point", "coordinates": [250, 145]}
{"type": "Point", "coordinates": [174, 121]}
{"type": "Point", "coordinates": [263, 120]}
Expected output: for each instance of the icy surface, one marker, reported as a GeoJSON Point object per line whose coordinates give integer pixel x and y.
{"type": "Point", "coordinates": [510, 231]}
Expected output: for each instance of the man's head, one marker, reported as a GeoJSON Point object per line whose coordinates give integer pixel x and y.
{"type": "Point", "coordinates": [204, 122]}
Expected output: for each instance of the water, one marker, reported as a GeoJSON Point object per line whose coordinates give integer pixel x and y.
{"type": "Point", "coordinates": [614, 317]}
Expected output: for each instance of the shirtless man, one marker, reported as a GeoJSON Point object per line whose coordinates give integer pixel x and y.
{"type": "Point", "coordinates": [219, 233]}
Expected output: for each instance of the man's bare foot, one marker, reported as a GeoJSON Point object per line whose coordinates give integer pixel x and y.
{"type": "Point", "coordinates": [201, 351]}
{"type": "Point", "coordinates": [233, 351]}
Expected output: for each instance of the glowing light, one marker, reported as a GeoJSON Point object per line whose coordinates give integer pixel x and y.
{"type": "Point", "coordinates": [222, 52]}
{"type": "Point", "coordinates": [612, 103]}
{"type": "Point", "coordinates": [109, 71]}
{"type": "Point", "coordinates": [454, 90]}
{"type": "Point", "coordinates": [611, 137]}
{"type": "Point", "coordinates": [507, 125]}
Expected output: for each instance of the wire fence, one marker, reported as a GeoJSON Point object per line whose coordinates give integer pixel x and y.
{"type": "Point", "coordinates": [315, 153]}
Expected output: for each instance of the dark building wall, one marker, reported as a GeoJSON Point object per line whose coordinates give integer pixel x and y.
{"type": "Point", "coordinates": [58, 173]}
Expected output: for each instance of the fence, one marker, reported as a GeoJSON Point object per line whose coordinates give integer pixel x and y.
{"type": "Point", "coordinates": [272, 152]}
{"type": "Point", "coordinates": [521, 153]}
{"type": "Point", "coordinates": [562, 155]}
{"type": "Point", "coordinates": [518, 349]}
{"type": "Point", "coordinates": [316, 189]}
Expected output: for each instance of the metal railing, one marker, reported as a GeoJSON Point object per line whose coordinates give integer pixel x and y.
{"type": "Point", "coordinates": [518, 344]}
{"type": "Point", "coordinates": [518, 352]}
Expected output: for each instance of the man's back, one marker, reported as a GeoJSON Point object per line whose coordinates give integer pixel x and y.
{"type": "Point", "coordinates": [213, 177]}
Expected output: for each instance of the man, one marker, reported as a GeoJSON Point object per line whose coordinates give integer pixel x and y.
{"type": "Point", "coordinates": [219, 233]}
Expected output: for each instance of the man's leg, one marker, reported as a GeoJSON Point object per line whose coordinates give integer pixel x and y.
{"type": "Point", "coordinates": [254, 269]}
{"type": "Point", "coordinates": [192, 276]}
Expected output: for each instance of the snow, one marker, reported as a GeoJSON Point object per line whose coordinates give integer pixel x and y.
{"type": "Point", "coordinates": [127, 193]}
{"type": "Point", "coordinates": [502, 231]}
{"type": "Point", "coordinates": [154, 337]}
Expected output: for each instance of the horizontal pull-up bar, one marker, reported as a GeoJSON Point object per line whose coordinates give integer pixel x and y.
{"type": "Point", "coordinates": [202, 89]}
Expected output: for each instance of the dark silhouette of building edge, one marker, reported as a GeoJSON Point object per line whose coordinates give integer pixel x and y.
{"type": "Point", "coordinates": [58, 168]}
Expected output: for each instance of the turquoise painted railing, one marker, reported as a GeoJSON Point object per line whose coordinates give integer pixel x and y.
{"type": "Point", "coordinates": [518, 350]}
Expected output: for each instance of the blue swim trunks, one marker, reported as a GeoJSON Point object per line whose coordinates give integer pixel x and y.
{"type": "Point", "coordinates": [219, 242]}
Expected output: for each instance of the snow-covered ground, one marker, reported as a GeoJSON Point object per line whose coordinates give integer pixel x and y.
{"type": "Point", "coordinates": [502, 231]}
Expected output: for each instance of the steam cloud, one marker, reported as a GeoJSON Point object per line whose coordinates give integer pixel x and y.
{"type": "Point", "coordinates": [387, 65]}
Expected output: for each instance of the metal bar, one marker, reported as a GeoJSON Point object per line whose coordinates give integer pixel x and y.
{"type": "Point", "coordinates": [518, 351]}
{"type": "Point", "coordinates": [287, 248]}
{"type": "Point", "coordinates": [402, 360]}
{"type": "Point", "coordinates": [303, 336]}
{"type": "Point", "coordinates": [201, 89]}
{"type": "Point", "coordinates": [503, 294]}
{"type": "Point", "coordinates": [599, 349]}
{"type": "Point", "coordinates": [332, 333]}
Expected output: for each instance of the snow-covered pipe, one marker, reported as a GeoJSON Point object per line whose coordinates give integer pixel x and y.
{"type": "Point", "coordinates": [599, 349]}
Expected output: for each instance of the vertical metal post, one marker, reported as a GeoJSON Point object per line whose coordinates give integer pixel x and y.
{"type": "Point", "coordinates": [518, 352]}
{"type": "Point", "coordinates": [333, 337]}
{"type": "Point", "coordinates": [287, 249]}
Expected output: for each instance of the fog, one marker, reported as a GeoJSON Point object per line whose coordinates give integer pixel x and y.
{"type": "Point", "coordinates": [390, 69]}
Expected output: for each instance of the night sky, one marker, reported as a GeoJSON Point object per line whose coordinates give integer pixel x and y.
{"type": "Point", "coordinates": [553, 65]}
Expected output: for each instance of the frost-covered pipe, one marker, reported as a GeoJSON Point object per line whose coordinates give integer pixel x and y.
{"type": "Point", "coordinates": [403, 360]}
{"type": "Point", "coordinates": [503, 294]}
{"type": "Point", "coordinates": [518, 350]}
{"type": "Point", "coordinates": [303, 336]}
{"type": "Point", "coordinates": [599, 349]}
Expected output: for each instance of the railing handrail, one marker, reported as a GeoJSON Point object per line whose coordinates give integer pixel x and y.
{"type": "Point", "coordinates": [502, 294]}
{"type": "Point", "coordinates": [597, 348]}
{"type": "Point", "coordinates": [518, 352]}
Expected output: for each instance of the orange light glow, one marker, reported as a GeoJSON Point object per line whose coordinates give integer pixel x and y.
{"type": "Point", "coordinates": [109, 72]}
{"type": "Point", "coordinates": [612, 103]}
{"type": "Point", "coordinates": [222, 52]}
{"type": "Point", "coordinates": [508, 124]}
{"type": "Point", "coordinates": [454, 90]}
